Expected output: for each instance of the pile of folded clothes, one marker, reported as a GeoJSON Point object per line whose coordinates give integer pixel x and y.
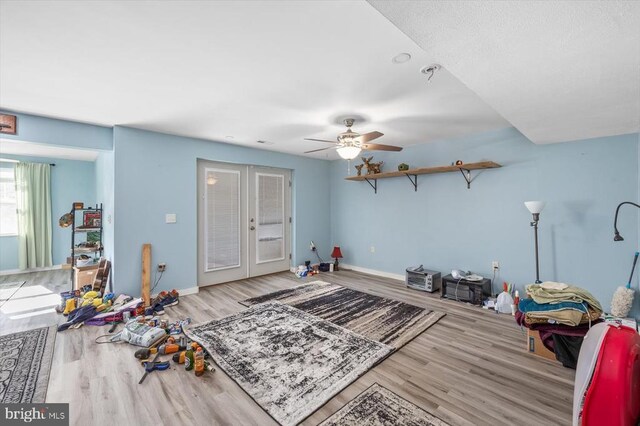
{"type": "Point", "coordinates": [562, 314]}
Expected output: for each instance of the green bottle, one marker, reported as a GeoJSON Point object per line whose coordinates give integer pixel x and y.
{"type": "Point", "coordinates": [189, 360]}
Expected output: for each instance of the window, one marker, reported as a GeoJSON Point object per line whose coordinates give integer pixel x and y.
{"type": "Point", "coordinates": [8, 213]}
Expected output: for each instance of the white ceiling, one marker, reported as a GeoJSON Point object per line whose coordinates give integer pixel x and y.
{"type": "Point", "coordinates": [30, 149]}
{"type": "Point", "coordinates": [557, 70]}
{"type": "Point", "coordinates": [274, 71]}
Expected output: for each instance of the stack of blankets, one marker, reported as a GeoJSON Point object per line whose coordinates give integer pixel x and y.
{"type": "Point", "coordinates": [562, 314]}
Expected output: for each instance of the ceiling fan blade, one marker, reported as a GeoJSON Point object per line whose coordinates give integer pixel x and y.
{"type": "Point", "coordinates": [380, 147]}
{"type": "Point", "coordinates": [321, 149]}
{"type": "Point", "coordinates": [369, 136]}
{"type": "Point", "coordinates": [319, 140]}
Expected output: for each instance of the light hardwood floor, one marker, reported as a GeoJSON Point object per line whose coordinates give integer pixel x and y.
{"type": "Point", "coordinates": [32, 305]}
{"type": "Point", "coordinates": [469, 368]}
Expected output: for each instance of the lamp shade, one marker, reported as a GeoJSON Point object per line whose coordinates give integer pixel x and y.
{"type": "Point", "coordinates": [535, 206]}
{"type": "Point", "coordinates": [336, 253]}
{"type": "Point", "coordinates": [348, 152]}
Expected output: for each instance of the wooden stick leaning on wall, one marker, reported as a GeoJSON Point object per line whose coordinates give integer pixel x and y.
{"type": "Point", "coordinates": [146, 274]}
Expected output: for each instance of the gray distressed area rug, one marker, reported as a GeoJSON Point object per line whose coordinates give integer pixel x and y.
{"type": "Point", "coordinates": [290, 362]}
{"type": "Point", "coordinates": [378, 406]}
{"type": "Point", "coordinates": [384, 320]}
{"type": "Point", "coordinates": [25, 363]}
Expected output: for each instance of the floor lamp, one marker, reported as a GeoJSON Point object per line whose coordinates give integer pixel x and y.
{"type": "Point", "coordinates": [535, 207]}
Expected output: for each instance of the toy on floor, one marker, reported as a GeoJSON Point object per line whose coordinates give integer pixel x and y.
{"type": "Point", "coordinates": [152, 366]}
{"type": "Point", "coordinates": [70, 305]}
{"type": "Point", "coordinates": [177, 327]}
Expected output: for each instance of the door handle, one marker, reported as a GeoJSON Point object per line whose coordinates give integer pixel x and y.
{"type": "Point", "coordinates": [252, 227]}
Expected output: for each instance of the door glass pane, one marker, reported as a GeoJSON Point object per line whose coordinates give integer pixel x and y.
{"type": "Point", "coordinates": [270, 217]}
{"type": "Point", "coordinates": [222, 219]}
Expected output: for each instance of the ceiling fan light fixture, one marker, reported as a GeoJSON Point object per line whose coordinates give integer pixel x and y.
{"type": "Point", "coordinates": [348, 152]}
{"type": "Point", "coordinates": [350, 143]}
{"type": "Point", "coordinates": [348, 139]}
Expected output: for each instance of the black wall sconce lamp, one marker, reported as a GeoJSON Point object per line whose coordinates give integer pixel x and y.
{"type": "Point", "coordinates": [617, 236]}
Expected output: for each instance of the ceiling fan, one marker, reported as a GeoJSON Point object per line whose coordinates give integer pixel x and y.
{"type": "Point", "coordinates": [350, 143]}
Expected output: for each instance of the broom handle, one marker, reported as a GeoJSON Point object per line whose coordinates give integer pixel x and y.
{"type": "Point", "coordinates": [635, 259]}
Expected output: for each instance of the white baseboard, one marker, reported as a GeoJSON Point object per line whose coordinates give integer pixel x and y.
{"type": "Point", "coordinates": [373, 272]}
{"type": "Point", "coordinates": [188, 291]}
{"type": "Point", "coordinates": [26, 271]}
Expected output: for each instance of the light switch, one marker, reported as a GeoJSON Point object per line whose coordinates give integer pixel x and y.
{"type": "Point", "coordinates": [170, 218]}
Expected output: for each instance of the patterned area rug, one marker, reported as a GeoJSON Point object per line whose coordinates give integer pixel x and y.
{"type": "Point", "coordinates": [384, 320]}
{"type": "Point", "coordinates": [288, 361]}
{"type": "Point", "coordinates": [25, 363]}
{"type": "Point", "coordinates": [378, 406]}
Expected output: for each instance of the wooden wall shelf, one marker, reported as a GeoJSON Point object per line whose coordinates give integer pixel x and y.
{"type": "Point", "coordinates": [412, 174]}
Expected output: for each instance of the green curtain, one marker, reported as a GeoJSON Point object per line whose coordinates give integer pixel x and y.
{"type": "Point", "coordinates": [33, 197]}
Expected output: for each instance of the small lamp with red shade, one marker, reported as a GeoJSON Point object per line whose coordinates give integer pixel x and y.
{"type": "Point", "coordinates": [336, 254]}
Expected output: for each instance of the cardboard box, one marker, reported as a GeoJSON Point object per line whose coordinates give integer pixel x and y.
{"type": "Point", "coordinates": [536, 347]}
{"type": "Point", "coordinates": [84, 275]}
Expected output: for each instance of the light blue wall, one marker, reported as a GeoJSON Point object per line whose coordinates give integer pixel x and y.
{"type": "Point", "coordinates": [104, 194]}
{"type": "Point", "coordinates": [444, 225]}
{"type": "Point", "coordinates": [50, 131]}
{"type": "Point", "coordinates": [70, 181]}
{"type": "Point", "coordinates": [155, 174]}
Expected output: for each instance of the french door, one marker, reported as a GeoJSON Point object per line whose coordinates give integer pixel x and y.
{"type": "Point", "coordinates": [244, 221]}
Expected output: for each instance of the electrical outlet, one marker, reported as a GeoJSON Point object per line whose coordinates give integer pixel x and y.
{"type": "Point", "coordinates": [162, 267]}
{"type": "Point", "coordinates": [372, 249]}
{"type": "Point", "coordinates": [495, 264]}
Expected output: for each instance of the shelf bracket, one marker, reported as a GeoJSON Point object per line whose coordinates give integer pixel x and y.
{"type": "Point", "coordinates": [466, 174]}
{"type": "Point", "coordinates": [374, 185]}
{"type": "Point", "coordinates": [414, 181]}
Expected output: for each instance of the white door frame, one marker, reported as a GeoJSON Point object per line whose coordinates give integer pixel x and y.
{"type": "Point", "coordinates": [262, 267]}
{"type": "Point", "coordinates": [249, 266]}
